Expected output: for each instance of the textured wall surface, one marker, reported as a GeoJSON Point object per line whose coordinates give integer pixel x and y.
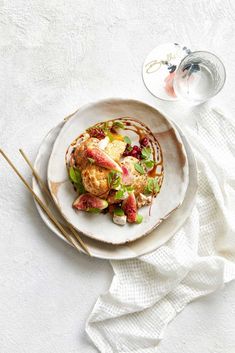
{"type": "Point", "coordinates": [54, 56]}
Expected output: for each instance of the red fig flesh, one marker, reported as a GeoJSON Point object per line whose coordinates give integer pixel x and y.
{"type": "Point", "coordinates": [102, 159]}
{"type": "Point", "coordinates": [127, 177]}
{"type": "Point", "coordinates": [88, 202]}
{"type": "Point", "coordinates": [130, 208]}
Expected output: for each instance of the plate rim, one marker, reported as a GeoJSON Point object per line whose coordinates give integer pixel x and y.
{"type": "Point", "coordinates": [120, 256]}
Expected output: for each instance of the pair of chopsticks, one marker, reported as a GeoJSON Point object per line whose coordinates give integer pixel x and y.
{"type": "Point", "coordinates": [74, 238]}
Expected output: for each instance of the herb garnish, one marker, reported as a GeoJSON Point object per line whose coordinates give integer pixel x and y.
{"type": "Point", "coordinates": [110, 136]}
{"type": "Point", "coordinates": [152, 186]}
{"type": "Point", "coordinates": [122, 191]}
{"type": "Point", "coordinates": [114, 179]}
{"type": "Point", "coordinates": [139, 168]}
{"type": "Point", "coordinates": [146, 152]}
{"type": "Point", "coordinates": [146, 155]}
{"type": "Point", "coordinates": [76, 178]}
{"type": "Point", "coordinates": [149, 164]}
{"type": "Point", "coordinates": [119, 124]}
{"type": "Point", "coordinates": [118, 212]}
{"type": "Point", "coordinates": [139, 218]}
{"type": "Point", "coordinates": [127, 140]}
{"type": "Point", "coordinates": [119, 194]}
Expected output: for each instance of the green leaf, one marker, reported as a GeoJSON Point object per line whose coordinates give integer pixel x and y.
{"type": "Point", "coordinates": [110, 177]}
{"type": "Point", "coordinates": [152, 186]}
{"type": "Point", "coordinates": [91, 160]}
{"type": "Point", "coordinates": [119, 194]}
{"type": "Point", "coordinates": [110, 136]}
{"type": "Point", "coordinates": [94, 210]}
{"type": "Point", "coordinates": [146, 191]}
{"type": "Point", "coordinates": [146, 152]}
{"type": "Point", "coordinates": [74, 174]}
{"type": "Point", "coordinates": [129, 188]}
{"type": "Point", "coordinates": [139, 218]}
{"type": "Point", "coordinates": [105, 126]}
{"type": "Point", "coordinates": [116, 183]}
{"type": "Point", "coordinates": [156, 185]}
{"type": "Point", "coordinates": [114, 179]}
{"type": "Point", "coordinates": [149, 187]}
{"type": "Point", "coordinates": [76, 178]}
{"type": "Point", "coordinates": [127, 140]}
{"type": "Point", "coordinates": [139, 168]}
{"type": "Point", "coordinates": [80, 187]}
{"type": "Point", "coordinates": [149, 164]}
{"type": "Point", "coordinates": [118, 212]}
{"type": "Point", "coordinates": [119, 124]}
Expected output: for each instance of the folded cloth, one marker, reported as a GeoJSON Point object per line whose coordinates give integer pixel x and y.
{"type": "Point", "coordinates": [146, 293]}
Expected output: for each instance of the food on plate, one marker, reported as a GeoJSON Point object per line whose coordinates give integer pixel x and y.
{"type": "Point", "coordinates": [116, 167]}
{"type": "Point", "coordinates": [90, 203]}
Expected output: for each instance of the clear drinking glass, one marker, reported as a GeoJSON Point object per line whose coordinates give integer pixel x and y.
{"type": "Point", "coordinates": [199, 76]}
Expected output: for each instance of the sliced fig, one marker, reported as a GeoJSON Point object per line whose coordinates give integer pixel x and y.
{"type": "Point", "coordinates": [79, 153]}
{"type": "Point", "coordinates": [89, 203]}
{"type": "Point", "coordinates": [130, 208]}
{"type": "Point", "coordinates": [127, 177]}
{"type": "Point", "coordinates": [102, 159]}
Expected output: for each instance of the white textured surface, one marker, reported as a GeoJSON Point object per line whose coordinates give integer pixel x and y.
{"type": "Point", "coordinates": [55, 56]}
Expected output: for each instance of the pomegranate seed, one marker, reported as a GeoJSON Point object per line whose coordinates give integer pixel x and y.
{"type": "Point", "coordinates": [136, 148]}
{"type": "Point", "coordinates": [134, 152]}
{"type": "Point", "coordinates": [144, 141]}
{"type": "Point", "coordinates": [98, 133]}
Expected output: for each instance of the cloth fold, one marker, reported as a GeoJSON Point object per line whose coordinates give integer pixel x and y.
{"type": "Point", "coordinates": [146, 293]}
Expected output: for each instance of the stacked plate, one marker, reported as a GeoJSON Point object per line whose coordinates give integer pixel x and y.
{"type": "Point", "coordinates": [171, 207]}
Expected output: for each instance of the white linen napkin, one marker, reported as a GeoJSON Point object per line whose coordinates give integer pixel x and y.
{"type": "Point", "coordinates": [147, 293]}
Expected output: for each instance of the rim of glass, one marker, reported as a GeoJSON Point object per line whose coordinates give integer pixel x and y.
{"type": "Point", "coordinates": [207, 52]}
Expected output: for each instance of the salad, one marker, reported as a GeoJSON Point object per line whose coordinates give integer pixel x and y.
{"type": "Point", "coordinates": [116, 167]}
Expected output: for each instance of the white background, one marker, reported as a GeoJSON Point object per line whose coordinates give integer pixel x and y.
{"type": "Point", "coordinates": [54, 57]}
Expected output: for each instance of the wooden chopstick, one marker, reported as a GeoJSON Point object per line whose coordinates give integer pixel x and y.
{"type": "Point", "coordinates": [41, 204]}
{"type": "Point", "coordinates": [47, 192]}
{"type": "Point", "coordinates": [36, 175]}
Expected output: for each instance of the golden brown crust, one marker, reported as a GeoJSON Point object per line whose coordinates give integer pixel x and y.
{"type": "Point", "coordinates": [95, 180]}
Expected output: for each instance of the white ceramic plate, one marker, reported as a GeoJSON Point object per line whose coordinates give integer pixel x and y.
{"type": "Point", "coordinates": [130, 250]}
{"type": "Point", "coordinates": [101, 227]}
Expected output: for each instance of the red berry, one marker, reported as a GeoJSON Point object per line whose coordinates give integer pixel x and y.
{"type": "Point", "coordinates": [144, 141]}
{"type": "Point", "coordinates": [136, 148]}
{"type": "Point", "coordinates": [134, 152]}
{"type": "Point", "coordinates": [98, 133]}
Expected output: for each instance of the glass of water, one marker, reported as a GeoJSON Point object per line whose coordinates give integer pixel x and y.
{"type": "Point", "coordinates": [199, 76]}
